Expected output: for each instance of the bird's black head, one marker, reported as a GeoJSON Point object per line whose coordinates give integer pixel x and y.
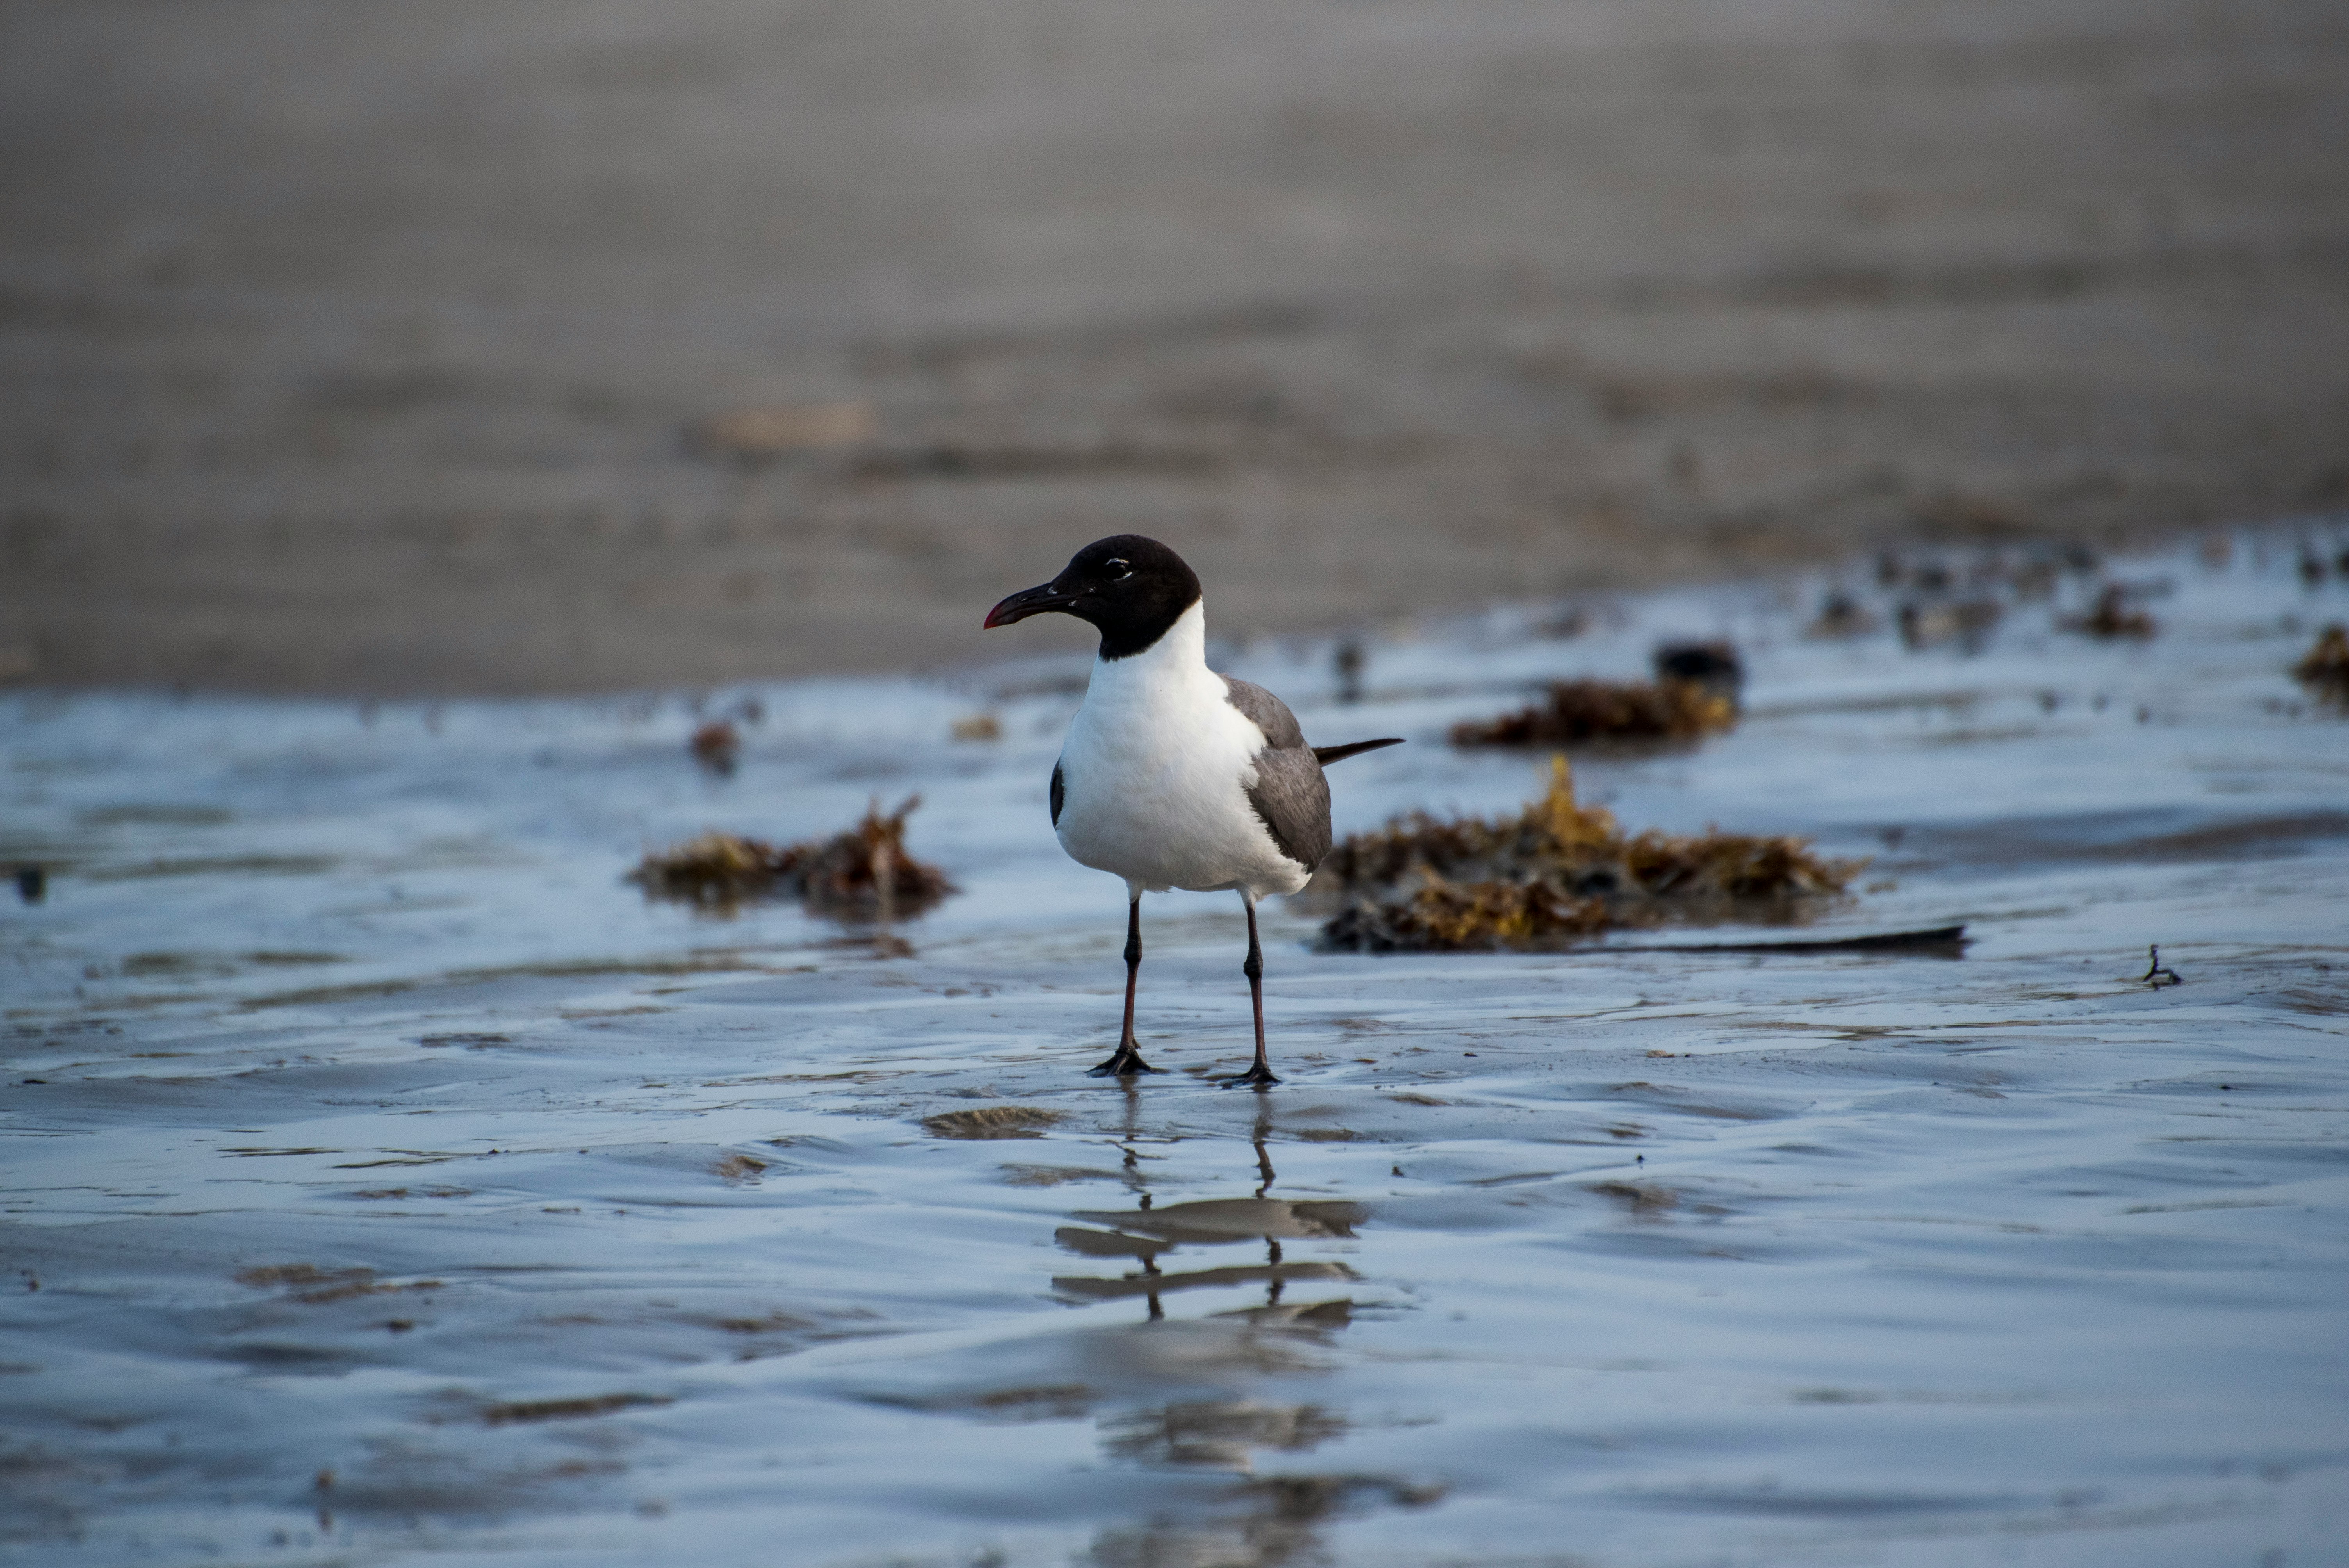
{"type": "Point", "coordinates": [1130, 587]}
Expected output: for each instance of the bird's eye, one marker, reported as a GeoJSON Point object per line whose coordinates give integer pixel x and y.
{"type": "Point", "coordinates": [1124, 568]}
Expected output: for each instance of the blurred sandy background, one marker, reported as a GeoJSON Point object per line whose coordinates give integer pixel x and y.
{"type": "Point", "coordinates": [542, 345]}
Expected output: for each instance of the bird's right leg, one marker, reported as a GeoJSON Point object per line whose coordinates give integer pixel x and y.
{"type": "Point", "coordinates": [1259, 1077]}
{"type": "Point", "coordinates": [1127, 1060]}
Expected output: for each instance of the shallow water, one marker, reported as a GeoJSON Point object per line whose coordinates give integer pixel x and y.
{"type": "Point", "coordinates": [385, 1179]}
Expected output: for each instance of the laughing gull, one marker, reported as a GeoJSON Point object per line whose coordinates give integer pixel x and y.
{"type": "Point", "coordinates": [1174, 776]}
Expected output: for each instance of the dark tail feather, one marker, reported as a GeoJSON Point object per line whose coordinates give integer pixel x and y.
{"type": "Point", "coordinates": [1326, 755]}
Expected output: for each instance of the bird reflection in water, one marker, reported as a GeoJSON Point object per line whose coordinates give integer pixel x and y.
{"type": "Point", "coordinates": [1280, 1522]}
{"type": "Point", "coordinates": [1146, 1233]}
{"type": "Point", "coordinates": [1268, 1520]}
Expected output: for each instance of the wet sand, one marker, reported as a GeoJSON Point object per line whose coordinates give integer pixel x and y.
{"type": "Point", "coordinates": [386, 1179]}
{"type": "Point", "coordinates": [366, 356]}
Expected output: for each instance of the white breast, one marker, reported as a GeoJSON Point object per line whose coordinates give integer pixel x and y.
{"type": "Point", "coordinates": [1155, 773]}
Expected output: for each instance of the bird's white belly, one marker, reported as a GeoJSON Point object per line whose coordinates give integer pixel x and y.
{"type": "Point", "coordinates": [1159, 797]}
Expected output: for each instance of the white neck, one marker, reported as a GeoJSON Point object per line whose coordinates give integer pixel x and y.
{"type": "Point", "coordinates": [1178, 658]}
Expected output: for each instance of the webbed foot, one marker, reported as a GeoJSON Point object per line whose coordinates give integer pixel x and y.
{"type": "Point", "coordinates": [1256, 1077]}
{"type": "Point", "coordinates": [1124, 1064]}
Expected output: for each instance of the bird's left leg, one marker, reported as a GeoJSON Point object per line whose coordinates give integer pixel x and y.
{"type": "Point", "coordinates": [1127, 1058]}
{"type": "Point", "coordinates": [1260, 1075]}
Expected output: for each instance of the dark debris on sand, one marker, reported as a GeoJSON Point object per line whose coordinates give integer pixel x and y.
{"type": "Point", "coordinates": [1841, 616]}
{"type": "Point", "coordinates": [991, 1122]}
{"type": "Point", "coordinates": [2110, 616]}
{"type": "Point", "coordinates": [2324, 670]}
{"type": "Point", "coordinates": [716, 747]}
{"type": "Point", "coordinates": [864, 873]}
{"type": "Point", "coordinates": [1714, 666]}
{"type": "Point", "coordinates": [1557, 872]}
{"type": "Point", "coordinates": [1933, 624]}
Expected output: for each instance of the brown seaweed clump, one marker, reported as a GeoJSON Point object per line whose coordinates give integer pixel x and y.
{"type": "Point", "coordinates": [1559, 872]}
{"type": "Point", "coordinates": [2325, 669]}
{"type": "Point", "coordinates": [1446, 917]}
{"type": "Point", "coordinates": [1576, 713]}
{"type": "Point", "coordinates": [864, 873]}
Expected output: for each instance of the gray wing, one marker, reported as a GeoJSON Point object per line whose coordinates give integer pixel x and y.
{"type": "Point", "coordinates": [1266, 711]}
{"type": "Point", "coordinates": [1289, 793]}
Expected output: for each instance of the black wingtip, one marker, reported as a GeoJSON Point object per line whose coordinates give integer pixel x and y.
{"type": "Point", "coordinates": [1326, 755]}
